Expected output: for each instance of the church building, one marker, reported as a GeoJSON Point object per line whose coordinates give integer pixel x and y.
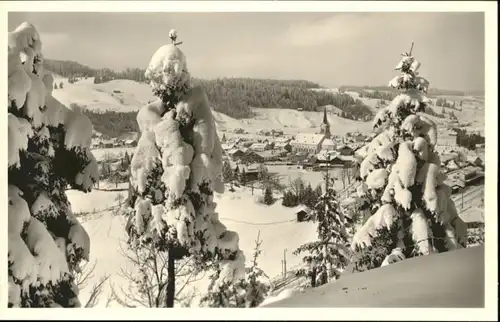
{"type": "Point", "coordinates": [315, 142]}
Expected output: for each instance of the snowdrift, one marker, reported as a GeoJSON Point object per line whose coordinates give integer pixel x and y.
{"type": "Point", "coordinates": [447, 280]}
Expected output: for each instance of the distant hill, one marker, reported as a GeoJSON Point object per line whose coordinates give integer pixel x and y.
{"type": "Point", "coordinates": [237, 97]}
{"type": "Point", "coordinates": [67, 68]}
{"type": "Point", "coordinates": [432, 91]}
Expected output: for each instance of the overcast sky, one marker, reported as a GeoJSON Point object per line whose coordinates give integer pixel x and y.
{"type": "Point", "coordinates": [329, 48]}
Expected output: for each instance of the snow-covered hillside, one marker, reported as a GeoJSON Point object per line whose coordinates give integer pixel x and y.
{"type": "Point", "coordinates": [452, 279]}
{"type": "Point", "coordinates": [128, 96]}
{"type": "Point", "coordinates": [118, 95]}
{"type": "Point", "coordinates": [239, 211]}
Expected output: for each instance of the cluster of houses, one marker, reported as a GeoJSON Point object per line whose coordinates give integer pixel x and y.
{"type": "Point", "coordinates": [99, 142]}
{"type": "Point", "coordinates": [463, 167]}
{"type": "Point", "coordinates": [307, 150]}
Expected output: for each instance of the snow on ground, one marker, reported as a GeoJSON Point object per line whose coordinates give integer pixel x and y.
{"type": "Point", "coordinates": [239, 211]}
{"type": "Point", "coordinates": [453, 279]}
{"type": "Point", "coordinates": [128, 96]}
{"type": "Point", "coordinates": [289, 173]}
{"type": "Point", "coordinates": [118, 95]}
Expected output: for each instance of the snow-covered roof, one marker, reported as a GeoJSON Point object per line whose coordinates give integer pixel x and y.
{"type": "Point", "coordinates": [300, 208]}
{"type": "Point", "coordinates": [233, 151]}
{"type": "Point", "coordinates": [259, 145]}
{"type": "Point", "coordinates": [282, 140]}
{"type": "Point", "coordinates": [308, 138]}
{"type": "Point", "coordinates": [328, 142]}
{"type": "Point", "coordinates": [323, 155]}
{"type": "Point", "coordinates": [281, 144]}
{"type": "Point", "coordinates": [251, 168]}
{"type": "Point", "coordinates": [227, 146]}
{"type": "Point", "coordinates": [473, 215]}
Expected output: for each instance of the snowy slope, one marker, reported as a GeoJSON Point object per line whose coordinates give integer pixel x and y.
{"type": "Point", "coordinates": [452, 279]}
{"type": "Point", "coordinates": [128, 96]}
{"type": "Point", "coordinates": [117, 95]}
{"type": "Point", "coordinates": [239, 211]}
{"type": "Point", "coordinates": [290, 121]}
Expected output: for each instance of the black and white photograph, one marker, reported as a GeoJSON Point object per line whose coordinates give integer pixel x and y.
{"type": "Point", "coordinates": [196, 156]}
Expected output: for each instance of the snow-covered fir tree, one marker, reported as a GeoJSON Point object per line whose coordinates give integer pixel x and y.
{"type": "Point", "coordinates": [248, 292]}
{"type": "Point", "coordinates": [175, 170]}
{"type": "Point", "coordinates": [329, 254]}
{"type": "Point", "coordinates": [412, 212]}
{"type": "Point", "coordinates": [48, 150]}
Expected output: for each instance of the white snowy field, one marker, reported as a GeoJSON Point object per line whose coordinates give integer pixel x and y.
{"type": "Point", "coordinates": [448, 280]}
{"type": "Point", "coordinates": [288, 173]}
{"type": "Point", "coordinates": [239, 211]}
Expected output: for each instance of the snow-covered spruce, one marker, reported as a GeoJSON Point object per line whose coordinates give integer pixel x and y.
{"type": "Point", "coordinates": [175, 170]}
{"type": "Point", "coordinates": [412, 213]}
{"type": "Point", "coordinates": [248, 292]}
{"type": "Point", "coordinates": [329, 254]}
{"type": "Point", "coordinates": [48, 150]}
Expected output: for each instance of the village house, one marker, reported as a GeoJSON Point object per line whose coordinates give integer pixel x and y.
{"type": "Point", "coordinates": [358, 137]}
{"type": "Point", "coordinates": [283, 139]}
{"type": "Point", "coordinates": [269, 156]}
{"type": "Point", "coordinates": [244, 156]}
{"type": "Point", "coordinates": [259, 147]}
{"type": "Point", "coordinates": [312, 143]}
{"type": "Point", "coordinates": [283, 146]}
{"type": "Point", "coordinates": [250, 171]}
{"type": "Point", "coordinates": [302, 213]}
{"type": "Point", "coordinates": [344, 149]}
{"type": "Point", "coordinates": [474, 160]}
{"type": "Point", "coordinates": [228, 146]}
{"type": "Point", "coordinates": [107, 144]}
{"type": "Point", "coordinates": [131, 143]}
{"type": "Point", "coordinates": [247, 144]}
{"type": "Point", "coordinates": [276, 132]}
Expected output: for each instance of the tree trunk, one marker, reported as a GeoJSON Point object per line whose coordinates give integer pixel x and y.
{"type": "Point", "coordinates": [171, 279]}
{"type": "Point", "coordinates": [313, 277]}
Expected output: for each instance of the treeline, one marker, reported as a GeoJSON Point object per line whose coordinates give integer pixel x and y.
{"type": "Point", "coordinates": [113, 124]}
{"type": "Point", "coordinates": [105, 75]}
{"type": "Point", "coordinates": [381, 95]}
{"type": "Point", "coordinates": [429, 110]}
{"type": "Point", "coordinates": [237, 96]}
{"type": "Point", "coordinates": [449, 104]}
{"type": "Point", "coordinates": [67, 68]}
{"type": "Point", "coordinates": [467, 140]}
{"type": "Point", "coordinates": [430, 92]}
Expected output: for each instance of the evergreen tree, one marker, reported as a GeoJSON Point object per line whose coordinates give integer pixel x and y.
{"type": "Point", "coordinates": [227, 172]}
{"type": "Point", "coordinates": [412, 212]}
{"type": "Point", "coordinates": [61, 85]}
{"type": "Point", "coordinates": [242, 178]}
{"type": "Point", "coordinates": [247, 292]}
{"type": "Point", "coordinates": [309, 196]}
{"type": "Point", "coordinates": [318, 192]}
{"type": "Point", "coordinates": [175, 170]}
{"type": "Point", "coordinates": [48, 150]}
{"type": "Point", "coordinates": [329, 254]}
{"type": "Point", "coordinates": [268, 196]}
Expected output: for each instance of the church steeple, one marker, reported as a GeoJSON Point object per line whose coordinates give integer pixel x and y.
{"type": "Point", "coordinates": [325, 126]}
